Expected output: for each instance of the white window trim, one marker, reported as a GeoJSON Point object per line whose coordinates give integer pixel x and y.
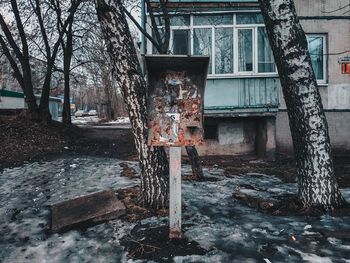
{"type": "Point", "coordinates": [323, 81]}
{"type": "Point", "coordinates": [235, 26]}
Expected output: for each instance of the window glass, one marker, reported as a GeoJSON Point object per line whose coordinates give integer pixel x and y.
{"type": "Point", "coordinates": [213, 20]}
{"type": "Point", "coordinates": [222, 56]}
{"type": "Point", "coordinates": [174, 20]}
{"type": "Point", "coordinates": [249, 18]}
{"type": "Point", "coordinates": [202, 43]}
{"type": "Point", "coordinates": [245, 50]}
{"type": "Point", "coordinates": [180, 20]}
{"type": "Point", "coordinates": [159, 20]}
{"type": "Point", "coordinates": [223, 50]}
{"type": "Point", "coordinates": [180, 42]}
{"type": "Point", "coordinates": [316, 50]}
{"type": "Point", "coordinates": [265, 55]}
{"type": "Point", "coordinates": [161, 31]}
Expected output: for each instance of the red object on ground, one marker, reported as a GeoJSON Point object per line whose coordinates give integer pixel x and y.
{"type": "Point", "coordinates": [345, 68]}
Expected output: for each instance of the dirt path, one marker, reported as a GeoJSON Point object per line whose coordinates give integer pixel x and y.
{"type": "Point", "coordinates": [25, 142]}
{"type": "Point", "coordinates": [111, 141]}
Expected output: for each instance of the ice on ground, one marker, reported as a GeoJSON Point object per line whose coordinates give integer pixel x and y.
{"type": "Point", "coordinates": [85, 120]}
{"type": "Point", "coordinates": [231, 232]}
{"type": "Point", "coordinates": [120, 120]}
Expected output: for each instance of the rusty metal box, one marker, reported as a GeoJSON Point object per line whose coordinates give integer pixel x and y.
{"type": "Point", "coordinates": [176, 99]}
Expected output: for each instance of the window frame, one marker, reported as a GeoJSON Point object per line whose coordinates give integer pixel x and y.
{"type": "Point", "coordinates": [235, 27]}
{"type": "Point", "coordinates": [324, 80]}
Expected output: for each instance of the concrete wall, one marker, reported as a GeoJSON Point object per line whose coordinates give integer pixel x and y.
{"type": "Point", "coordinates": [235, 136]}
{"type": "Point", "coordinates": [241, 136]}
{"type": "Point", "coordinates": [336, 92]}
{"type": "Point", "coordinates": [11, 103]}
{"type": "Point", "coordinates": [339, 131]}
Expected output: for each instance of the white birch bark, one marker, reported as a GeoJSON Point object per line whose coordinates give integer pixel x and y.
{"type": "Point", "coordinates": [317, 183]}
{"type": "Point", "coordinates": [127, 73]}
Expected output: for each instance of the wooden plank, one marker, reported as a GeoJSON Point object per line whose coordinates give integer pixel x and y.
{"type": "Point", "coordinates": [340, 234]}
{"type": "Point", "coordinates": [94, 208]}
{"type": "Point", "coordinates": [175, 193]}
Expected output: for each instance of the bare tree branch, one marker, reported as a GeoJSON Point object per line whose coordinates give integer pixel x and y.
{"type": "Point", "coordinates": [143, 31]}
{"type": "Point", "coordinates": [10, 38]}
{"type": "Point", "coordinates": [20, 28]}
{"type": "Point", "coordinates": [338, 9]}
{"type": "Point", "coordinates": [154, 25]}
{"type": "Point", "coordinates": [7, 53]}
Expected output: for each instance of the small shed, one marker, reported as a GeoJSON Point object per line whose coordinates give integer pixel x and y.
{"type": "Point", "coordinates": [13, 100]}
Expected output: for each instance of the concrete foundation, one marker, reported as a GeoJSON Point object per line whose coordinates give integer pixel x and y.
{"type": "Point", "coordinates": [237, 136]}
{"type": "Point", "coordinates": [338, 125]}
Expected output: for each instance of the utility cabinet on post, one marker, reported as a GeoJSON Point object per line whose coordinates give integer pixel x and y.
{"type": "Point", "coordinates": [175, 115]}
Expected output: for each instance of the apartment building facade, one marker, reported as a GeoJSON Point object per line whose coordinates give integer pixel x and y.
{"type": "Point", "coordinates": [244, 108]}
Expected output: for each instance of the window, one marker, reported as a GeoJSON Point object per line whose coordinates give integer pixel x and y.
{"type": "Point", "coordinates": [181, 42]}
{"type": "Point", "coordinates": [213, 20]}
{"type": "Point", "coordinates": [236, 43]}
{"type": "Point", "coordinates": [162, 36]}
{"type": "Point", "coordinates": [180, 20]}
{"type": "Point", "coordinates": [202, 44]}
{"type": "Point", "coordinates": [245, 50]}
{"type": "Point", "coordinates": [210, 131]}
{"type": "Point", "coordinates": [249, 18]}
{"type": "Point", "coordinates": [265, 56]}
{"type": "Point", "coordinates": [223, 50]}
{"type": "Point", "coordinates": [317, 49]}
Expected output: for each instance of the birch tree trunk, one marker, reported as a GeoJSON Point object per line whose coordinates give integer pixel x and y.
{"type": "Point", "coordinates": [161, 42]}
{"type": "Point", "coordinates": [316, 180]}
{"type": "Point", "coordinates": [127, 73]}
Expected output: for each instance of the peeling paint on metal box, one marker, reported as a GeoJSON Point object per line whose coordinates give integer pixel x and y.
{"type": "Point", "coordinates": [176, 100]}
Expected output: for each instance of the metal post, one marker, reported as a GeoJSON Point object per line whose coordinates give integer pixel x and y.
{"type": "Point", "coordinates": [175, 193]}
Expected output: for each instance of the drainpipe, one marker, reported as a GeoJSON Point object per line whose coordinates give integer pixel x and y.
{"type": "Point", "coordinates": [143, 38]}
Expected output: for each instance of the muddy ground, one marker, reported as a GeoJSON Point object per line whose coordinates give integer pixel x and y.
{"type": "Point", "coordinates": [79, 160]}
{"type": "Point", "coordinates": [217, 227]}
{"type": "Point", "coordinates": [282, 166]}
{"type": "Point", "coordinates": [23, 141]}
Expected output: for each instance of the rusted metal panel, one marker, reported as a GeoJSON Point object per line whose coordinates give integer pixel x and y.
{"type": "Point", "coordinates": [176, 99]}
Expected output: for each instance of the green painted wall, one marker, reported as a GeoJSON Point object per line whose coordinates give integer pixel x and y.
{"type": "Point", "coordinates": [241, 93]}
{"type": "Point", "coordinates": [13, 94]}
